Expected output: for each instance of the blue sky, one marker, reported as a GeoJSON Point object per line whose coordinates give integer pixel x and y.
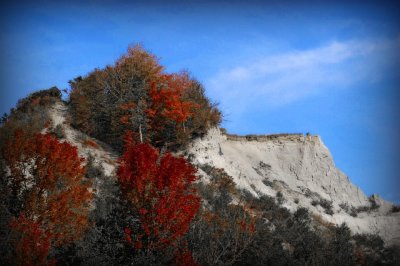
{"type": "Point", "coordinates": [327, 68]}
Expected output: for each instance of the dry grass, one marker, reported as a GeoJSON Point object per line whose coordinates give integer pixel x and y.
{"type": "Point", "coordinates": [321, 222]}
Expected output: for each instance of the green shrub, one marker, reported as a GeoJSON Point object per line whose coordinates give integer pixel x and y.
{"type": "Point", "coordinates": [363, 209]}
{"type": "Point", "coordinates": [345, 207]}
{"type": "Point", "coordinates": [326, 204]}
{"type": "Point", "coordinates": [395, 208]}
{"type": "Point", "coordinates": [280, 198]}
{"type": "Point", "coordinates": [373, 203]}
{"type": "Point", "coordinates": [58, 131]}
{"type": "Point", "coordinates": [268, 183]}
{"type": "Point", "coordinates": [353, 211]}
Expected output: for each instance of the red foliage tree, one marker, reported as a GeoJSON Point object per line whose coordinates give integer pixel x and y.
{"type": "Point", "coordinates": [47, 178]}
{"type": "Point", "coordinates": [168, 102]}
{"type": "Point", "coordinates": [33, 245]}
{"type": "Point", "coordinates": [161, 194]}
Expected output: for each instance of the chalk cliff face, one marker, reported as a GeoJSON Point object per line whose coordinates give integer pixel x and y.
{"type": "Point", "coordinates": [302, 169]}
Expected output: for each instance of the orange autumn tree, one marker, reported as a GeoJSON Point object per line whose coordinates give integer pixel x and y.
{"type": "Point", "coordinates": [47, 178]}
{"type": "Point", "coordinates": [169, 109]}
{"type": "Point", "coordinates": [160, 193]}
{"type": "Point", "coordinates": [167, 97]}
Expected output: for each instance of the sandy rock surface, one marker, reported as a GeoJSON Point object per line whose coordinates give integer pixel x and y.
{"type": "Point", "coordinates": [302, 169]}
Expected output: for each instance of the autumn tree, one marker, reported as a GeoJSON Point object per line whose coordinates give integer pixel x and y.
{"type": "Point", "coordinates": [167, 98]}
{"type": "Point", "coordinates": [160, 192]}
{"type": "Point", "coordinates": [136, 94]}
{"type": "Point", "coordinates": [135, 117]}
{"type": "Point", "coordinates": [33, 244]}
{"type": "Point", "coordinates": [128, 83]}
{"type": "Point", "coordinates": [97, 100]}
{"type": "Point", "coordinates": [169, 110]}
{"type": "Point", "coordinates": [206, 113]}
{"type": "Point", "coordinates": [46, 180]}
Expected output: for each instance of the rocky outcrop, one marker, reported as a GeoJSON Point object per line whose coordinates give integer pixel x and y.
{"type": "Point", "coordinates": [302, 169]}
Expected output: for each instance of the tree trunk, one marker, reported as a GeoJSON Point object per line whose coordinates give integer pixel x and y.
{"type": "Point", "coordinates": [140, 133]}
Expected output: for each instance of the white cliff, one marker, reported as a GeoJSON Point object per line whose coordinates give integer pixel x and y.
{"type": "Point", "coordinates": [302, 169]}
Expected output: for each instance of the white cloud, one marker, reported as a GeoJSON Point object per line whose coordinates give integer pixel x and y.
{"type": "Point", "coordinates": [288, 77]}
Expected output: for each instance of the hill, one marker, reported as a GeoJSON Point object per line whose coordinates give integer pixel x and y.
{"type": "Point", "coordinates": [134, 169]}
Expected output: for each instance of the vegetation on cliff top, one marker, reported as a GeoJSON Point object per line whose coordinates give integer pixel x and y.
{"type": "Point", "coordinates": [136, 94]}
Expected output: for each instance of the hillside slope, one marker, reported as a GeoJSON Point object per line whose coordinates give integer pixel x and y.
{"type": "Point", "coordinates": [99, 153]}
{"type": "Point", "coordinates": [301, 168]}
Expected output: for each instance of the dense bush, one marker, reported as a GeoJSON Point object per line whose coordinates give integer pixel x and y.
{"type": "Point", "coordinates": [222, 229]}
{"type": "Point", "coordinates": [326, 204]}
{"type": "Point", "coordinates": [41, 98]}
{"type": "Point", "coordinates": [277, 237]}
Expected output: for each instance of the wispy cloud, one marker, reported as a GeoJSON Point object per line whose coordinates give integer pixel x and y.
{"type": "Point", "coordinates": [284, 78]}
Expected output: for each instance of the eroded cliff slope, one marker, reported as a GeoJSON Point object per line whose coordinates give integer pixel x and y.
{"type": "Point", "coordinates": [300, 170]}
